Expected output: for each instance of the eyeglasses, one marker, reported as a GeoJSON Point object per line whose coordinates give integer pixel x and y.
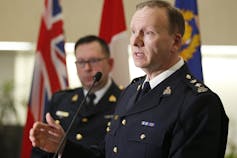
{"type": "Point", "coordinates": [93, 62]}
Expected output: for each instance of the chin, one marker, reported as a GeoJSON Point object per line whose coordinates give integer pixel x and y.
{"type": "Point", "coordinates": [138, 64]}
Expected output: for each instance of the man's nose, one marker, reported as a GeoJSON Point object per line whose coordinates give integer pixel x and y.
{"type": "Point", "coordinates": [87, 66]}
{"type": "Point", "coordinates": [138, 40]}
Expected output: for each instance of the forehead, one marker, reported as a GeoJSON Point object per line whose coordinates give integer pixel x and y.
{"type": "Point", "coordinates": [147, 16]}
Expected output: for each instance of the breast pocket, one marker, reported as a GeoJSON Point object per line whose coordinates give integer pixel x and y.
{"type": "Point", "coordinates": [145, 139]}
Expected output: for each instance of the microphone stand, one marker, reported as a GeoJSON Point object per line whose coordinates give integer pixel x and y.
{"type": "Point", "coordinates": [96, 78]}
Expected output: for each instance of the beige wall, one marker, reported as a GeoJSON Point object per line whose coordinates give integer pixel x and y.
{"type": "Point", "coordinates": [20, 19]}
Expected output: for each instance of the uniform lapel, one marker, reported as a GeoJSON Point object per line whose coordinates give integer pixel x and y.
{"type": "Point", "coordinates": [129, 100]}
{"type": "Point", "coordinates": [104, 101]}
{"type": "Point", "coordinates": [154, 97]}
{"type": "Point", "coordinates": [148, 101]}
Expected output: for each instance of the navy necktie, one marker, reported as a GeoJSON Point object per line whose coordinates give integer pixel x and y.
{"type": "Point", "coordinates": [91, 98]}
{"type": "Point", "coordinates": [146, 88]}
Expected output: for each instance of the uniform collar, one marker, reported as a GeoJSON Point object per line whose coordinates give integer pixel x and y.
{"type": "Point", "coordinates": [100, 93]}
{"type": "Point", "coordinates": [161, 77]}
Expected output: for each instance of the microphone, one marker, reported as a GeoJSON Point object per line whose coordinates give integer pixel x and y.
{"type": "Point", "coordinates": [96, 78]}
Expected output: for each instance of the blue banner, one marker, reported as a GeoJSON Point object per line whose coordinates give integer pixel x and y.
{"type": "Point", "coordinates": [191, 48]}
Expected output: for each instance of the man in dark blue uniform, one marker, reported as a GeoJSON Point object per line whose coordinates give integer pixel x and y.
{"type": "Point", "coordinates": [93, 55]}
{"type": "Point", "coordinates": [167, 113]}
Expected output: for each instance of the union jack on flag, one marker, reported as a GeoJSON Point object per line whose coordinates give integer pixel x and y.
{"type": "Point", "coordinates": [50, 73]}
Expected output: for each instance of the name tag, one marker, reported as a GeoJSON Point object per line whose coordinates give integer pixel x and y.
{"type": "Point", "coordinates": [149, 124]}
{"type": "Point", "coordinates": [108, 116]}
{"type": "Point", "coordinates": [62, 113]}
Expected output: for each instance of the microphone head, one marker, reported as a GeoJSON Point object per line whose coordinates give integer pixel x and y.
{"type": "Point", "coordinates": [97, 76]}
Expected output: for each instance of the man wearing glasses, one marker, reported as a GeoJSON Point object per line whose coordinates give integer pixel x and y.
{"type": "Point", "coordinates": [92, 55]}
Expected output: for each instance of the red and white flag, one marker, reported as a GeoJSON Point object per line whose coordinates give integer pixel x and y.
{"type": "Point", "coordinates": [50, 73]}
{"type": "Point", "coordinates": [113, 31]}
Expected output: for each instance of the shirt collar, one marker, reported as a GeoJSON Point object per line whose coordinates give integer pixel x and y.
{"type": "Point", "coordinates": [161, 77]}
{"type": "Point", "coordinates": [100, 93]}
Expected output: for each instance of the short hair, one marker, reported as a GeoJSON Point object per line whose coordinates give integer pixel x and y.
{"type": "Point", "coordinates": [176, 19]}
{"type": "Point", "coordinates": [92, 38]}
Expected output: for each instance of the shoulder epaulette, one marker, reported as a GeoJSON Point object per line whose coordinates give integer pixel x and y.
{"type": "Point", "coordinates": [138, 79]}
{"type": "Point", "coordinates": [67, 90]}
{"type": "Point", "coordinates": [195, 84]}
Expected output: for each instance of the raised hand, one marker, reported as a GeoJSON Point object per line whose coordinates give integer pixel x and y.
{"type": "Point", "coordinates": [46, 136]}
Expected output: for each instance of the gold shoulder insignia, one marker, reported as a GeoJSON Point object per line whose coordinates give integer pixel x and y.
{"type": "Point", "coordinates": [75, 97]}
{"type": "Point", "coordinates": [201, 89]}
{"type": "Point", "coordinates": [188, 76]}
{"type": "Point", "coordinates": [194, 84]}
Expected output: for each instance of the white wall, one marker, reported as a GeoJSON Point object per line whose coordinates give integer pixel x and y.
{"type": "Point", "coordinates": [219, 66]}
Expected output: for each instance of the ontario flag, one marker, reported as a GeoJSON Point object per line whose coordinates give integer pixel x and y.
{"type": "Point", "coordinates": [50, 73]}
{"type": "Point", "coordinates": [191, 49]}
{"type": "Point", "coordinates": [113, 31]}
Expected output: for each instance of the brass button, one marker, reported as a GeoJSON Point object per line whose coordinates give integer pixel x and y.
{"type": "Point", "coordinates": [107, 129]}
{"type": "Point", "coordinates": [109, 123]}
{"type": "Point", "coordinates": [112, 98]}
{"type": "Point", "coordinates": [84, 120]}
{"type": "Point", "coordinates": [116, 117]}
{"type": "Point", "coordinates": [57, 122]}
{"type": "Point", "coordinates": [142, 136]}
{"type": "Point", "coordinates": [124, 122]}
{"type": "Point", "coordinates": [115, 149]}
{"type": "Point", "coordinates": [79, 136]}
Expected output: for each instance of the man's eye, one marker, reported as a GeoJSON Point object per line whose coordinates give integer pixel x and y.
{"type": "Point", "coordinates": [81, 62]}
{"type": "Point", "coordinates": [132, 32]}
{"type": "Point", "coordinates": [93, 60]}
{"type": "Point", "coordinates": [149, 33]}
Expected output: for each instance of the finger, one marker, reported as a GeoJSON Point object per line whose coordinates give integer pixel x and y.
{"type": "Point", "coordinates": [38, 136]}
{"type": "Point", "coordinates": [45, 136]}
{"type": "Point", "coordinates": [51, 121]}
{"type": "Point", "coordinates": [33, 139]}
{"type": "Point", "coordinates": [40, 125]}
{"type": "Point", "coordinates": [42, 130]}
{"type": "Point", "coordinates": [57, 128]}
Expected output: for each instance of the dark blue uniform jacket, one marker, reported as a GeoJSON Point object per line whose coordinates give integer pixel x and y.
{"type": "Point", "coordinates": [179, 118]}
{"type": "Point", "coordinates": [89, 128]}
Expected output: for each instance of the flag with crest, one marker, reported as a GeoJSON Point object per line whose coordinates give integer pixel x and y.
{"type": "Point", "coordinates": [191, 48]}
{"type": "Point", "coordinates": [50, 73]}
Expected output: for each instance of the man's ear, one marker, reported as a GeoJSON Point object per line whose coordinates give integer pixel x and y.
{"type": "Point", "coordinates": [177, 42]}
{"type": "Point", "coordinates": [111, 63]}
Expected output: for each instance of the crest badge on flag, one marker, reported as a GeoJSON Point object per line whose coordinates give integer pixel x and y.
{"type": "Point", "coordinates": [191, 48]}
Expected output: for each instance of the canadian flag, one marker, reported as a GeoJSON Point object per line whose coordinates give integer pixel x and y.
{"type": "Point", "coordinates": [113, 31]}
